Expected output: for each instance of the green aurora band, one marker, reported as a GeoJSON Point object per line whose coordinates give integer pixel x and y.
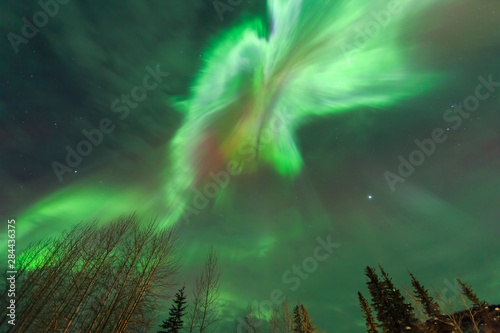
{"type": "Point", "coordinates": [259, 84]}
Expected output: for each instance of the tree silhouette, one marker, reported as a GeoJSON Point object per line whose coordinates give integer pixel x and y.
{"type": "Point", "coordinates": [371, 325]}
{"type": "Point", "coordinates": [469, 293]}
{"type": "Point", "coordinates": [394, 315]}
{"type": "Point", "coordinates": [252, 318]}
{"type": "Point", "coordinates": [177, 311]}
{"type": "Point", "coordinates": [286, 316]}
{"type": "Point", "coordinates": [431, 308]}
{"type": "Point", "coordinates": [275, 320]}
{"type": "Point", "coordinates": [206, 305]}
{"type": "Point", "coordinates": [301, 320]}
{"type": "Point", "coordinates": [379, 300]}
{"type": "Point", "coordinates": [403, 311]}
{"type": "Point", "coordinates": [297, 320]}
{"type": "Point", "coordinates": [95, 278]}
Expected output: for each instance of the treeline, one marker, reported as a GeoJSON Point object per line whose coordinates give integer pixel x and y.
{"type": "Point", "coordinates": [94, 278]}
{"type": "Point", "coordinates": [109, 278]}
{"type": "Point", "coordinates": [117, 277]}
{"type": "Point", "coordinates": [282, 320]}
{"type": "Point", "coordinates": [204, 308]}
{"type": "Point", "coordinates": [393, 314]}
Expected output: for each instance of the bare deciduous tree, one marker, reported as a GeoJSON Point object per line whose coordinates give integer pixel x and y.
{"type": "Point", "coordinates": [96, 278]}
{"type": "Point", "coordinates": [253, 319]}
{"type": "Point", "coordinates": [205, 303]}
{"type": "Point", "coordinates": [286, 317]}
{"type": "Point", "coordinates": [275, 320]}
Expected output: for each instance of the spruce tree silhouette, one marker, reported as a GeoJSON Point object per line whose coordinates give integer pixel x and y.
{"type": "Point", "coordinates": [371, 325]}
{"type": "Point", "coordinates": [297, 320]}
{"type": "Point", "coordinates": [379, 300]}
{"type": "Point", "coordinates": [470, 294]}
{"type": "Point", "coordinates": [177, 311]}
{"type": "Point", "coordinates": [431, 308]}
{"type": "Point", "coordinates": [394, 315]}
{"type": "Point", "coordinates": [402, 310]}
{"type": "Point", "coordinates": [301, 320]}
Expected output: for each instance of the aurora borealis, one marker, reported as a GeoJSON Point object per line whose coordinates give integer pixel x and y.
{"type": "Point", "coordinates": [258, 87]}
{"type": "Point", "coordinates": [273, 128]}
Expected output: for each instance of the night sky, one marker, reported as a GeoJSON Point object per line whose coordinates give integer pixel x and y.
{"type": "Point", "coordinates": [303, 125]}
